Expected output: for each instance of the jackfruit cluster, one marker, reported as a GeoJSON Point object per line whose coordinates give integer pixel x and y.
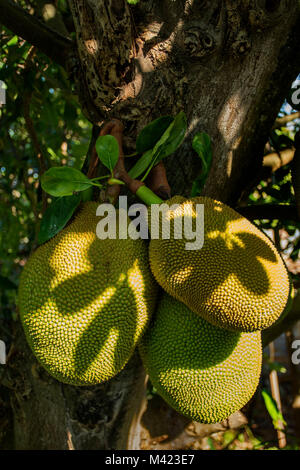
{"type": "Point", "coordinates": [202, 371]}
{"type": "Point", "coordinates": [202, 350]}
{"type": "Point", "coordinates": [85, 302]}
{"type": "Point", "coordinates": [237, 280]}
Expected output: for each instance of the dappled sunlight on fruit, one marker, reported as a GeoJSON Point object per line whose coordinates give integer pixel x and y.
{"type": "Point", "coordinates": [237, 280]}
{"type": "Point", "coordinates": [85, 302]}
{"type": "Point", "coordinates": [204, 372]}
{"type": "Point", "coordinates": [182, 275]}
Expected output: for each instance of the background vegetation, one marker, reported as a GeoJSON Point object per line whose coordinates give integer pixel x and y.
{"type": "Point", "coordinates": [42, 125]}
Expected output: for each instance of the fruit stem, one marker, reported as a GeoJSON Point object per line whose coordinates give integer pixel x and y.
{"type": "Point", "coordinates": [112, 181]}
{"type": "Point", "coordinates": [121, 176]}
{"type": "Point", "coordinates": [157, 181]}
{"type": "Point", "coordinates": [100, 178]}
{"type": "Point", "coordinates": [148, 196]}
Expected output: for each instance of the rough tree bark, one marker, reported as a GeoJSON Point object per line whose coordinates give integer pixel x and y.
{"type": "Point", "coordinates": [228, 65]}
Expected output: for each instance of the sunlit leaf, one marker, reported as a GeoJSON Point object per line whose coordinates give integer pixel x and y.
{"type": "Point", "coordinates": [107, 148]}
{"type": "Point", "coordinates": [64, 181]}
{"type": "Point", "coordinates": [272, 409]}
{"type": "Point", "coordinates": [13, 41]}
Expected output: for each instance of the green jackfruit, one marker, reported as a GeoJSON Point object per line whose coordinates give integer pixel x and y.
{"type": "Point", "coordinates": [85, 302]}
{"type": "Point", "coordinates": [202, 371]}
{"type": "Point", "coordinates": [237, 280]}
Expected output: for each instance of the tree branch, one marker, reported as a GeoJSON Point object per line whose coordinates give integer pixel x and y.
{"type": "Point", "coordinates": [53, 19]}
{"type": "Point", "coordinates": [276, 160]}
{"type": "Point", "coordinates": [269, 211]}
{"type": "Point", "coordinates": [281, 121]}
{"type": "Point", "coordinates": [51, 43]}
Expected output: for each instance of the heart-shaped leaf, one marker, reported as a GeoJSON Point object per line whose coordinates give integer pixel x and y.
{"type": "Point", "coordinates": [64, 181]}
{"type": "Point", "coordinates": [107, 148]}
{"type": "Point", "coordinates": [56, 216]}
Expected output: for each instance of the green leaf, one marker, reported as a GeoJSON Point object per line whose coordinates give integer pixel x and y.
{"type": "Point", "coordinates": [56, 216]}
{"type": "Point", "coordinates": [53, 155]}
{"type": "Point", "coordinates": [202, 145]}
{"type": "Point", "coordinates": [210, 442]}
{"type": "Point", "coordinates": [148, 137]}
{"type": "Point", "coordinates": [13, 41]}
{"type": "Point", "coordinates": [107, 148]}
{"type": "Point", "coordinates": [141, 165]}
{"type": "Point", "coordinates": [171, 139]}
{"type": "Point", "coordinates": [87, 195]}
{"type": "Point", "coordinates": [278, 367]}
{"type": "Point", "coordinates": [133, 2]}
{"type": "Point", "coordinates": [228, 437]}
{"type": "Point", "coordinates": [64, 181]}
{"type": "Point", "coordinates": [272, 409]}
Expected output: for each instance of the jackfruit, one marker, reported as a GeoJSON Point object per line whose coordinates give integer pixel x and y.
{"type": "Point", "coordinates": [85, 302]}
{"type": "Point", "coordinates": [204, 372]}
{"type": "Point", "coordinates": [237, 280]}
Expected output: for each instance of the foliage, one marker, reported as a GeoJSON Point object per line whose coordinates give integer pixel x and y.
{"type": "Point", "coordinates": [40, 103]}
{"type": "Point", "coordinates": [57, 215]}
{"type": "Point", "coordinates": [108, 150]}
{"type": "Point", "coordinates": [66, 182]}
{"type": "Point", "coordinates": [276, 188]}
{"type": "Point", "coordinates": [202, 145]}
{"type": "Point", "coordinates": [42, 127]}
{"type": "Point", "coordinates": [272, 408]}
{"type": "Point", "coordinates": [158, 140]}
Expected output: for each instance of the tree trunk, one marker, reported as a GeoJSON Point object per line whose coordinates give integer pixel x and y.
{"type": "Point", "coordinates": [228, 65]}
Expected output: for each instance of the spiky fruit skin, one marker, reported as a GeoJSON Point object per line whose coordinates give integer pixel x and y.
{"type": "Point", "coordinates": [237, 280]}
{"type": "Point", "coordinates": [202, 371]}
{"type": "Point", "coordinates": [85, 302]}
